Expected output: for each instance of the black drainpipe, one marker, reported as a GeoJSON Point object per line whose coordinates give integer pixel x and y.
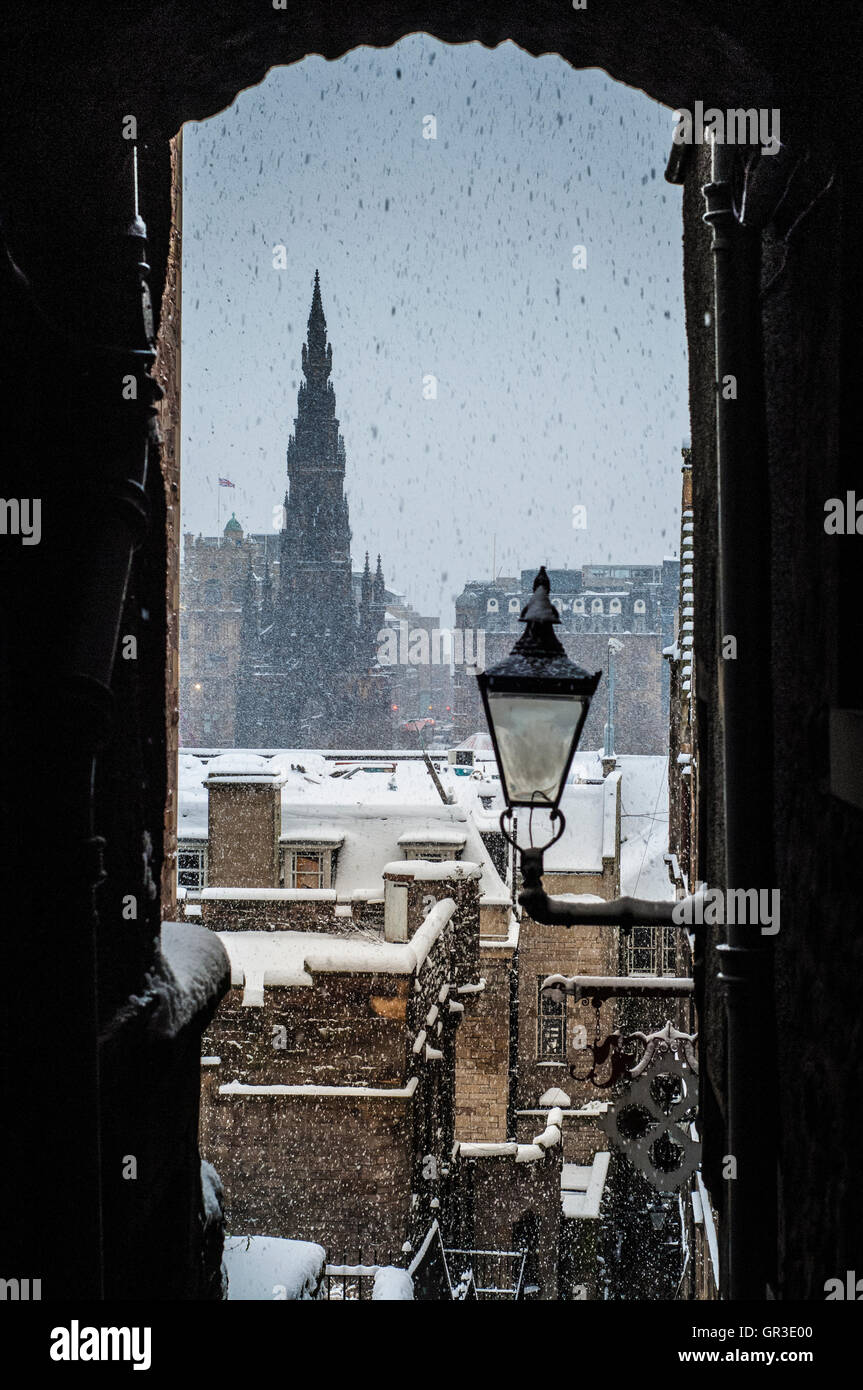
{"type": "Point", "coordinates": [745, 708]}
{"type": "Point", "coordinates": [512, 1094]}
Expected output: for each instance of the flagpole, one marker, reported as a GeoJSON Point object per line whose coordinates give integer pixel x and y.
{"type": "Point", "coordinates": [218, 507]}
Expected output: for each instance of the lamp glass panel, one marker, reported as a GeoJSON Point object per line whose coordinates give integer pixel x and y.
{"type": "Point", "coordinates": [534, 734]}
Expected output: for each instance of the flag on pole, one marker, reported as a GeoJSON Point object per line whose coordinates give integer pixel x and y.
{"type": "Point", "coordinates": [225, 482]}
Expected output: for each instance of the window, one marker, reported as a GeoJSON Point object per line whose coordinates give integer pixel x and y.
{"type": "Point", "coordinates": [551, 1026]}
{"type": "Point", "coordinates": [650, 951]}
{"type": "Point", "coordinates": [639, 605]}
{"type": "Point", "coordinates": [578, 605]}
{"type": "Point", "coordinates": [212, 593]}
{"type": "Point", "coordinates": [191, 866]}
{"type": "Point", "coordinates": [306, 869]}
{"type": "Point", "coordinates": [514, 606]}
{"type": "Point", "coordinates": [491, 606]}
{"type": "Point", "coordinates": [596, 605]}
{"type": "Point", "coordinates": [614, 606]}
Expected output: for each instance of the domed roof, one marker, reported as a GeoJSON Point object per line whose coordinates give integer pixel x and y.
{"type": "Point", "coordinates": [233, 525]}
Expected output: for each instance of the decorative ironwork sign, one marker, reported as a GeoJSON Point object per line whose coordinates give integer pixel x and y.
{"type": "Point", "coordinates": [650, 1122]}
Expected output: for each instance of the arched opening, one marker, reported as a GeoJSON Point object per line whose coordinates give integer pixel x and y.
{"type": "Point", "coordinates": [69, 610]}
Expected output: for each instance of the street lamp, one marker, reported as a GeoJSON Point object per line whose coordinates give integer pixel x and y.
{"type": "Point", "coordinates": [536, 702]}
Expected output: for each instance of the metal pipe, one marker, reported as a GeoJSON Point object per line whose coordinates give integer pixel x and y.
{"type": "Point", "coordinates": [745, 707]}
{"type": "Point", "coordinates": [591, 985]}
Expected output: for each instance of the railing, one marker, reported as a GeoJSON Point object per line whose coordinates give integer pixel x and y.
{"type": "Point", "coordinates": [352, 1278]}
{"type": "Point", "coordinates": [494, 1274]}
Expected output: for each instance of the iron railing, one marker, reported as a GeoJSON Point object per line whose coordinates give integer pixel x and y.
{"type": "Point", "coordinates": [351, 1277]}
{"type": "Point", "coordinates": [495, 1274]}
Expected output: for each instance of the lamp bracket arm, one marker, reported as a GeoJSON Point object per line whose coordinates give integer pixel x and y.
{"type": "Point", "coordinates": [624, 912]}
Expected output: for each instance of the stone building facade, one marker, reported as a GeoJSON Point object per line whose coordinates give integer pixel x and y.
{"type": "Point", "coordinates": [217, 577]}
{"type": "Point", "coordinates": [637, 604]}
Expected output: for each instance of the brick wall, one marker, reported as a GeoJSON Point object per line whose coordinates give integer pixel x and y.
{"type": "Point", "coordinates": [482, 1054]}
{"type": "Point", "coordinates": [552, 950]}
{"type": "Point", "coordinates": [329, 1169]}
{"type": "Point", "coordinates": [349, 1171]}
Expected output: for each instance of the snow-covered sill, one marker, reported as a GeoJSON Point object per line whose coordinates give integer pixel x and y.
{"type": "Point", "coordinates": [239, 1088]}
{"type": "Point", "coordinates": [275, 895]}
{"type": "Point", "coordinates": [585, 1112]}
{"type": "Point", "coordinates": [425, 871]}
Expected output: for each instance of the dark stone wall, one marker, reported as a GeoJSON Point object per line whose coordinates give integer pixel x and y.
{"type": "Point", "coordinates": [810, 315]}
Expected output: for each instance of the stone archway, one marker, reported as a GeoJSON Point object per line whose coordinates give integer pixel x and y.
{"type": "Point", "coordinates": [72, 316]}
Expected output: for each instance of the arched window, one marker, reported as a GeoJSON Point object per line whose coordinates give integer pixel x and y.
{"type": "Point", "coordinates": [596, 605]}
{"type": "Point", "coordinates": [578, 605]}
{"type": "Point", "coordinates": [639, 605]}
{"type": "Point", "coordinates": [614, 606]}
{"type": "Point", "coordinates": [491, 606]}
{"type": "Point", "coordinates": [514, 605]}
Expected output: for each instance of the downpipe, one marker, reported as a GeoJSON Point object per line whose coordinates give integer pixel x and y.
{"type": "Point", "coordinates": [745, 706]}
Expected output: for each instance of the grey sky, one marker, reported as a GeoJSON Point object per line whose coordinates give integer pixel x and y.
{"type": "Point", "coordinates": [557, 387]}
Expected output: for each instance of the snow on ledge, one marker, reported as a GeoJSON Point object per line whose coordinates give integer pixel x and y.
{"type": "Point", "coordinates": [433, 835]}
{"type": "Point", "coordinates": [265, 895]}
{"type": "Point", "coordinates": [427, 872]}
{"type": "Point", "coordinates": [194, 975]}
{"type": "Point", "coordinates": [241, 1088]}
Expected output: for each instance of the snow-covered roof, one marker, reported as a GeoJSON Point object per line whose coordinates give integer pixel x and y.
{"type": "Point", "coordinates": [370, 820]}
{"type": "Point", "coordinates": [644, 826]}
{"type": "Point", "coordinates": [433, 834]}
{"type": "Point", "coordinates": [292, 958]}
{"type": "Point", "coordinates": [580, 848]}
{"type": "Point", "coordinates": [373, 818]}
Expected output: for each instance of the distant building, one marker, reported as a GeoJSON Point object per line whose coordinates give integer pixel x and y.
{"type": "Point", "coordinates": [215, 578]}
{"type": "Point", "coordinates": [279, 643]}
{"type": "Point", "coordinates": [308, 671]}
{"type": "Point", "coordinates": [635, 603]}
